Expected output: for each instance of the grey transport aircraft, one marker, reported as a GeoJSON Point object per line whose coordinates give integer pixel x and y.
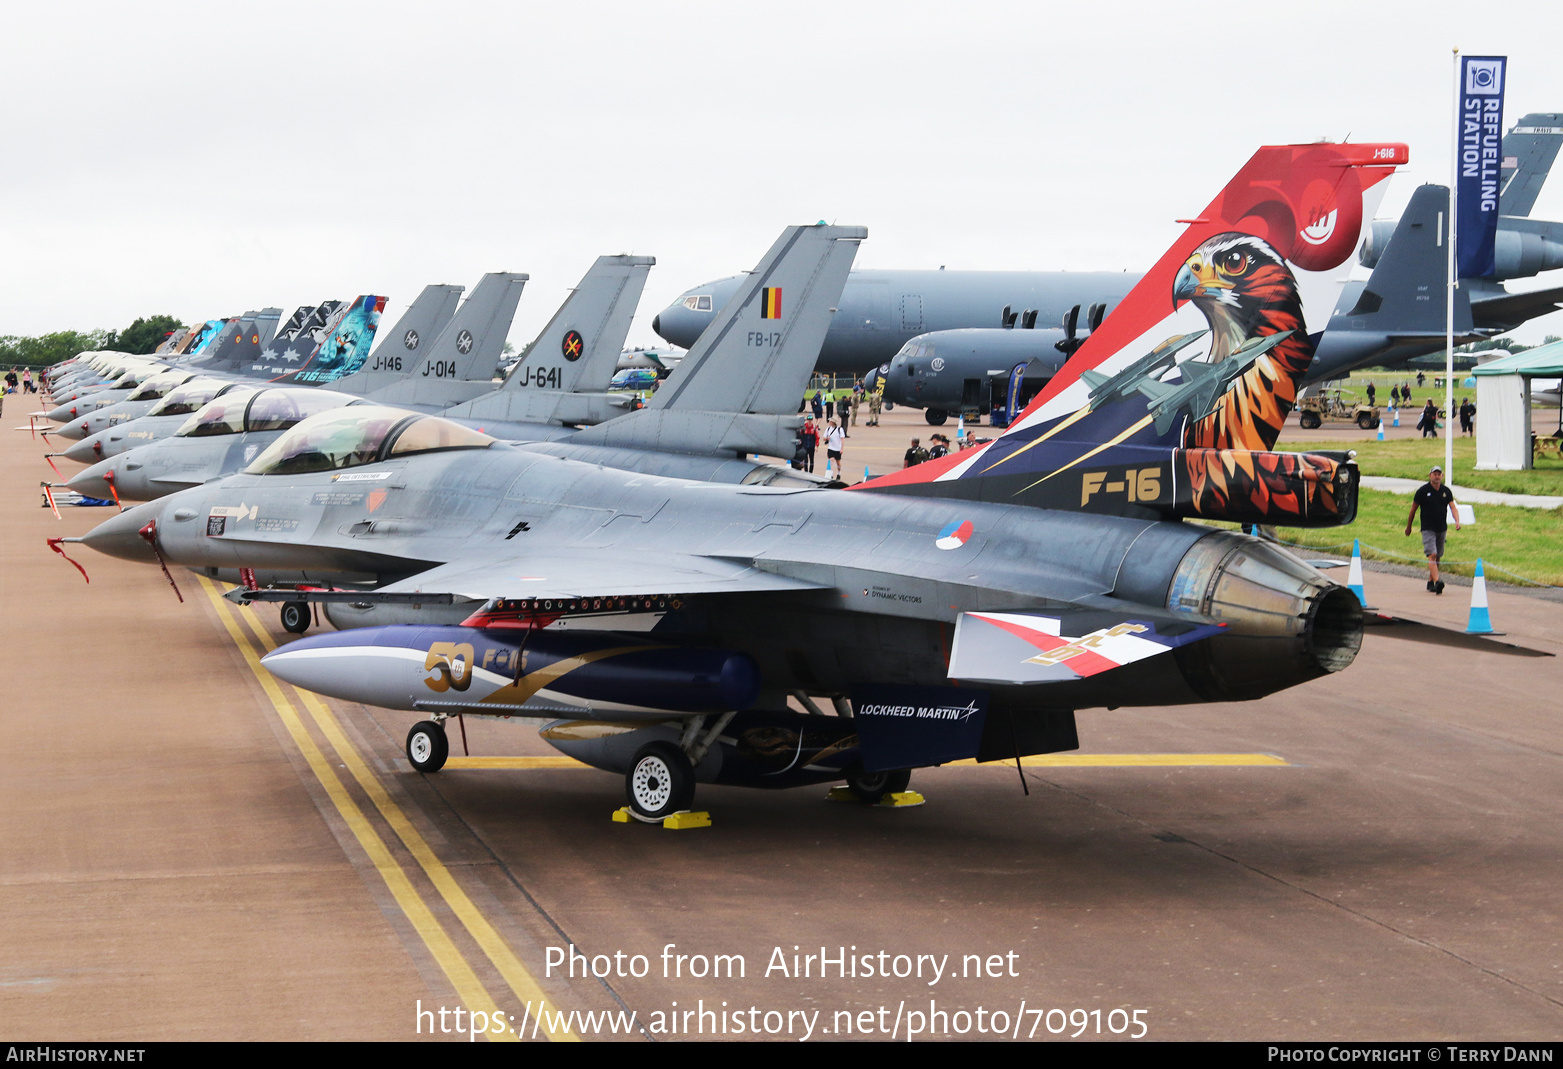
{"type": "Point", "coordinates": [965, 608]}
{"type": "Point", "coordinates": [1396, 314]}
{"type": "Point", "coordinates": [881, 311]}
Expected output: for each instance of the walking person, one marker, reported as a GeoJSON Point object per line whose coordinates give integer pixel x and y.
{"type": "Point", "coordinates": [27, 381]}
{"type": "Point", "coordinates": [833, 441]}
{"type": "Point", "coordinates": [1437, 504]}
{"type": "Point", "coordinates": [876, 401]}
{"type": "Point", "coordinates": [1428, 424]}
{"type": "Point", "coordinates": [1372, 393]}
{"type": "Point", "coordinates": [810, 439]}
{"type": "Point", "coordinates": [1467, 416]}
{"type": "Point", "coordinates": [915, 455]}
{"type": "Point", "coordinates": [818, 405]}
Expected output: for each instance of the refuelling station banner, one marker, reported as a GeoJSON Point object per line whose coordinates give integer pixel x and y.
{"type": "Point", "coordinates": [1479, 158]}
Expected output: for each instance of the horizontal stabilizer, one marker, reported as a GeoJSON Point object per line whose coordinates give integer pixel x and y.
{"type": "Point", "coordinates": [1005, 648]}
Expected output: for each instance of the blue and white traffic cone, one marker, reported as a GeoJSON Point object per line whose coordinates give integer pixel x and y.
{"type": "Point", "coordinates": [1354, 574]}
{"type": "Point", "coordinates": [960, 426]}
{"type": "Point", "coordinates": [1481, 620]}
{"type": "Point", "coordinates": [1397, 417]}
{"type": "Point", "coordinates": [866, 475]}
{"type": "Point", "coordinates": [1381, 430]}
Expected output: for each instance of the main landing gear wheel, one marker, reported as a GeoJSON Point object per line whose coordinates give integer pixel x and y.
{"type": "Point", "coordinates": [936, 416]}
{"type": "Point", "coordinates": [872, 786]}
{"type": "Point", "coordinates": [660, 781]}
{"type": "Point", "coordinates": [295, 616]}
{"type": "Point", "coordinates": [427, 746]}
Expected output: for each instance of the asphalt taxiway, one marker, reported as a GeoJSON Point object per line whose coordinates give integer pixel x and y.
{"type": "Point", "coordinates": [192, 850]}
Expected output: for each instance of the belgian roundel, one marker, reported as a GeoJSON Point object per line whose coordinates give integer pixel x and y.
{"type": "Point", "coordinates": [572, 346]}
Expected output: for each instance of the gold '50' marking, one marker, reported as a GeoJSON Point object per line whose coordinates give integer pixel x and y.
{"type": "Point", "coordinates": [1082, 645]}
{"type": "Point", "coordinates": [1140, 484]}
{"type": "Point", "coordinates": [451, 663]}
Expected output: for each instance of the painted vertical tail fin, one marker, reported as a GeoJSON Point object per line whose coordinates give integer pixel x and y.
{"type": "Point", "coordinates": [391, 360]}
{"type": "Point", "coordinates": [737, 390]}
{"type": "Point", "coordinates": [1171, 408]}
{"type": "Point", "coordinates": [341, 344]}
{"type": "Point", "coordinates": [1529, 150]}
{"type": "Point", "coordinates": [565, 373]}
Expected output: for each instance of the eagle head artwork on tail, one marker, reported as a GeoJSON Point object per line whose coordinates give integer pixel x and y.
{"type": "Point", "coordinates": [1246, 291]}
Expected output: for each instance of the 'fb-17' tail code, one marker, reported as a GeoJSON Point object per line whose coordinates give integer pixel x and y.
{"type": "Point", "coordinates": [1186, 384]}
{"type": "Point", "coordinates": [770, 305]}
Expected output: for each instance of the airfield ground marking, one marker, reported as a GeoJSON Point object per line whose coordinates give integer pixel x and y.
{"type": "Point", "coordinates": [468, 987]}
{"type": "Point", "coordinates": [1141, 760]}
{"type": "Point", "coordinates": [516, 974]}
{"type": "Point", "coordinates": [1069, 760]}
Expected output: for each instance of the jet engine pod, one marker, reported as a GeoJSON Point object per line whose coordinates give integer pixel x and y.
{"type": "Point", "coordinates": [518, 673]}
{"type": "Point", "coordinates": [755, 748]}
{"type": "Point", "coordinates": [1286, 622]}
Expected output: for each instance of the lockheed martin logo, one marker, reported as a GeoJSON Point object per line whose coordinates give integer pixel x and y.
{"type": "Point", "coordinates": [464, 342]}
{"type": "Point", "coordinates": [410, 339]}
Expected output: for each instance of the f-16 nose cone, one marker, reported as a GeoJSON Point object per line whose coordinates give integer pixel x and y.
{"type": "Point", "coordinates": [83, 452]}
{"type": "Point", "coordinates": [92, 482]}
{"type": "Point", "coordinates": [121, 536]}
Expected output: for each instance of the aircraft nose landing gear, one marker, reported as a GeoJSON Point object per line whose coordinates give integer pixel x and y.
{"type": "Point", "coordinates": [427, 746]}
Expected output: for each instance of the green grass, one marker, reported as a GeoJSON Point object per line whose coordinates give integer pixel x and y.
{"type": "Point", "coordinates": [1409, 458]}
{"type": "Point", "coordinates": [1526, 542]}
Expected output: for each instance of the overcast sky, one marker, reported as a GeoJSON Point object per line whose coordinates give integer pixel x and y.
{"type": "Point", "coordinates": [200, 158]}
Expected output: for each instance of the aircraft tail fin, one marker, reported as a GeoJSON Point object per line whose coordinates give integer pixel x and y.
{"type": "Point", "coordinates": [738, 388]}
{"type": "Point", "coordinates": [1529, 150]}
{"type": "Point", "coordinates": [1197, 368]}
{"type": "Point", "coordinates": [563, 377]}
{"type": "Point", "coordinates": [339, 346]}
{"type": "Point", "coordinates": [419, 325]}
{"type": "Point", "coordinates": [461, 360]}
{"type": "Point", "coordinates": [265, 322]}
{"type": "Point", "coordinates": [1405, 294]}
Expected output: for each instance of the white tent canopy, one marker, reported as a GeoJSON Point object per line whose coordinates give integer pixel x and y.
{"type": "Point", "coordinates": [1503, 431]}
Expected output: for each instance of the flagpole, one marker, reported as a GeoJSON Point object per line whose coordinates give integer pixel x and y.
{"type": "Point", "coordinates": [1450, 231]}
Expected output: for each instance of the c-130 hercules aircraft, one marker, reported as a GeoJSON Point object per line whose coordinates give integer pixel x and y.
{"type": "Point", "coordinates": [964, 608]}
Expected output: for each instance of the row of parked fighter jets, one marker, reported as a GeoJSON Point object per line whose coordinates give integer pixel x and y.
{"type": "Point", "coordinates": [640, 580]}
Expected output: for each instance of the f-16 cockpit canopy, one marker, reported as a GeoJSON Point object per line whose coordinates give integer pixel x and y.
{"type": "Point", "coordinates": [158, 385]}
{"type": "Point", "coordinates": [362, 434]}
{"type": "Point", "coordinates": [260, 410]}
{"type": "Point", "coordinates": [192, 396]}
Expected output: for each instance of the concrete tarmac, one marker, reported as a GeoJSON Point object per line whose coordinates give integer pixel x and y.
{"type": "Point", "coordinates": [191, 853]}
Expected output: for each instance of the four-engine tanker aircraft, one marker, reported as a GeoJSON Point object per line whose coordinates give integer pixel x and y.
{"type": "Point", "coordinates": [966, 608]}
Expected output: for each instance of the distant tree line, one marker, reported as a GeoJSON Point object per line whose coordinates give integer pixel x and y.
{"type": "Point", "coordinates": [142, 336]}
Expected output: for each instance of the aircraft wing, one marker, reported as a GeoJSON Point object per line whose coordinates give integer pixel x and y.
{"type": "Point", "coordinates": [1057, 647]}
{"type": "Point", "coordinates": [566, 573]}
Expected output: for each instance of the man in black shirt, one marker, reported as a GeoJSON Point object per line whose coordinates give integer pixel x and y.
{"type": "Point", "coordinates": [1437, 504]}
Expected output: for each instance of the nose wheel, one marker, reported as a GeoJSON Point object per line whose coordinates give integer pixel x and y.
{"type": "Point", "coordinates": [872, 786]}
{"type": "Point", "coordinates": [427, 746]}
{"type": "Point", "coordinates": [660, 782]}
{"type": "Point", "coordinates": [295, 617]}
